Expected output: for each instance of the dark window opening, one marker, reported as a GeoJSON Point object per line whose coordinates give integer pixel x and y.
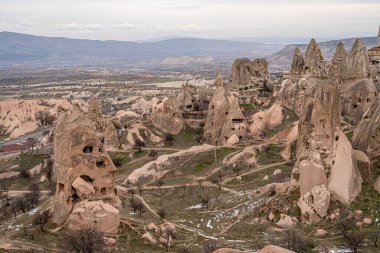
{"type": "Point", "coordinates": [226, 113]}
{"type": "Point", "coordinates": [87, 178]}
{"type": "Point", "coordinates": [237, 120]}
{"type": "Point", "coordinates": [61, 187]}
{"type": "Point", "coordinates": [337, 137]}
{"type": "Point", "coordinates": [115, 191]}
{"type": "Point", "coordinates": [355, 105]}
{"type": "Point", "coordinates": [212, 107]}
{"type": "Point", "coordinates": [75, 198]}
{"type": "Point", "coordinates": [103, 191]}
{"type": "Point", "coordinates": [100, 164]}
{"type": "Point", "coordinates": [88, 149]}
{"type": "Point", "coordinates": [360, 100]}
{"type": "Point", "coordinates": [240, 137]}
{"type": "Point", "coordinates": [368, 99]}
{"type": "Point", "coordinates": [189, 106]}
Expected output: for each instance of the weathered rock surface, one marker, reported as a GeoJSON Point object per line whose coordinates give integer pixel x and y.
{"type": "Point", "coordinates": [314, 204]}
{"type": "Point", "coordinates": [85, 176]}
{"type": "Point", "coordinates": [286, 221]}
{"type": "Point", "coordinates": [247, 74]}
{"type": "Point", "coordinates": [227, 250]}
{"type": "Point", "coordinates": [167, 116]}
{"type": "Point", "coordinates": [274, 249]}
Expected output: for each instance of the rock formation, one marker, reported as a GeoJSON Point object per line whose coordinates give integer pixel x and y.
{"type": "Point", "coordinates": [167, 115]}
{"type": "Point", "coordinates": [18, 117]}
{"type": "Point", "coordinates": [367, 133]}
{"type": "Point", "coordinates": [250, 78]}
{"type": "Point", "coordinates": [107, 132]}
{"type": "Point", "coordinates": [325, 156]}
{"type": "Point", "coordinates": [85, 174]}
{"type": "Point", "coordinates": [225, 123]}
{"type": "Point", "coordinates": [353, 72]}
{"type": "Point", "coordinates": [246, 74]}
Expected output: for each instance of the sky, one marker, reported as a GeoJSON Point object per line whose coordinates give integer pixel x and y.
{"type": "Point", "coordinates": [222, 19]}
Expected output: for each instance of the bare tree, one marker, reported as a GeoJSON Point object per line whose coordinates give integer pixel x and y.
{"type": "Point", "coordinates": [205, 198]}
{"type": "Point", "coordinates": [162, 214]}
{"type": "Point", "coordinates": [160, 183]}
{"type": "Point", "coordinates": [139, 145]}
{"type": "Point", "coordinates": [375, 236]}
{"type": "Point", "coordinates": [354, 238]}
{"type": "Point", "coordinates": [41, 218]}
{"type": "Point", "coordinates": [169, 234]}
{"type": "Point", "coordinates": [44, 117]}
{"type": "Point", "coordinates": [236, 168]}
{"type": "Point", "coordinates": [169, 138]}
{"type": "Point", "coordinates": [86, 240]}
{"type": "Point", "coordinates": [266, 148]}
{"type": "Point", "coordinates": [217, 179]}
{"type": "Point", "coordinates": [137, 205]}
{"type": "Point", "coordinates": [153, 153]}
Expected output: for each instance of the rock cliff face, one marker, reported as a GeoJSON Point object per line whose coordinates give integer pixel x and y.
{"type": "Point", "coordinates": [19, 116]}
{"type": "Point", "coordinates": [353, 72]}
{"type": "Point", "coordinates": [107, 132]}
{"type": "Point", "coordinates": [247, 74]}
{"type": "Point", "coordinates": [225, 122]}
{"type": "Point", "coordinates": [367, 133]}
{"type": "Point", "coordinates": [325, 156]}
{"type": "Point", "coordinates": [167, 115]}
{"type": "Point", "coordinates": [85, 174]}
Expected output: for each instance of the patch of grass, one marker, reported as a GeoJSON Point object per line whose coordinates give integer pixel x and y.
{"type": "Point", "coordinates": [247, 106]}
{"type": "Point", "coordinates": [27, 161]}
{"type": "Point", "coordinates": [273, 155]}
{"type": "Point", "coordinates": [349, 135]}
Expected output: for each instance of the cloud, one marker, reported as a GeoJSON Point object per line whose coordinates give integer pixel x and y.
{"type": "Point", "coordinates": [76, 26]}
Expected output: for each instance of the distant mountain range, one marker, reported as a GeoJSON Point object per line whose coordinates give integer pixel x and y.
{"type": "Point", "coordinates": [28, 51]}
{"type": "Point", "coordinates": [281, 60]}
{"type": "Point", "coordinates": [37, 51]}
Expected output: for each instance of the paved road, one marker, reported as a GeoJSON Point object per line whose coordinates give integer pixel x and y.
{"type": "Point", "coordinates": [23, 138]}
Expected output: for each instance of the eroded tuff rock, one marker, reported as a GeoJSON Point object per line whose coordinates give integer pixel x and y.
{"type": "Point", "coordinates": [325, 156]}
{"type": "Point", "coordinates": [250, 79]}
{"type": "Point", "coordinates": [225, 119]}
{"type": "Point", "coordinates": [167, 115]}
{"type": "Point", "coordinates": [85, 175]}
{"type": "Point", "coordinates": [367, 133]}
{"type": "Point", "coordinates": [246, 74]}
{"type": "Point", "coordinates": [352, 70]}
{"type": "Point", "coordinates": [314, 204]}
{"type": "Point", "coordinates": [107, 132]}
{"type": "Point", "coordinates": [19, 116]}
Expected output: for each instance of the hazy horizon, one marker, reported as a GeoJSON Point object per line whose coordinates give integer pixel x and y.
{"type": "Point", "coordinates": [217, 19]}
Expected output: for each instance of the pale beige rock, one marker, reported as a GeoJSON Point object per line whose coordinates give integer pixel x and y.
{"type": "Point", "coordinates": [109, 242]}
{"type": "Point", "coordinates": [102, 215]}
{"type": "Point", "coordinates": [358, 214]}
{"type": "Point", "coordinates": [152, 227]}
{"type": "Point", "coordinates": [274, 249]}
{"type": "Point", "coordinates": [266, 119]}
{"type": "Point", "coordinates": [80, 156]}
{"type": "Point", "coordinates": [367, 221]}
{"type": "Point", "coordinates": [148, 238]}
{"type": "Point", "coordinates": [83, 189]}
{"type": "Point", "coordinates": [321, 233]}
{"type": "Point", "coordinates": [277, 172]}
{"type": "Point", "coordinates": [271, 217]}
{"type": "Point", "coordinates": [266, 178]}
{"type": "Point", "coordinates": [167, 116]}
{"type": "Point", "coordinates": [227, 250]}
{"type": "Point", "coordinates": [286, 221]}
{"type": "Point", "coordinates": [377, 184]}
{"type": "Point", "coordinates": [43, 179]}
{"type": "Point", "coordinates": [314, 204]}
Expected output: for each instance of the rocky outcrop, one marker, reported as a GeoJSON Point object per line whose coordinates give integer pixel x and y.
{"type": "Point", "coordinates": [298, 63]}
{"type": "Point", "coordinates": [315, 65]}
{"type": "Point", "coordinates": [352, 70]}
{"type": "Point", "coordinates": [107, 132]}
{"type": "Point", "coordinates": [225, 122]}
{"type": "Point", "coordinates": [167, 115]}
{"type": "Point", "coordinates": [314, 204]}
{"type": "Point", "coordinates": [217, 112]}
{"type": "Point", "coordinates": [274, 249]}
{"type": "Point", "coordinates": [246, 74]}
{"type": "Point", "coordinates": [18, 117]}
{"type": "Point", "coordinates": [367, 135]}
{"type": "Point", "coordinates": [324, 154]}
{"type": "Point", "coordinates": [85, 176]}
{"type": "Point", "coordinates": [263, 120]}
{"type": "Point", "coordinates": [235, 124]}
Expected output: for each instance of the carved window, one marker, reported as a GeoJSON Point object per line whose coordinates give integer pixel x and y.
{"type": "Point", "coordinates": [103, 191]}
{"type": "Point", "coordinates": [88, 149]}
{"type": "Point", "coordinates": [61, 187]}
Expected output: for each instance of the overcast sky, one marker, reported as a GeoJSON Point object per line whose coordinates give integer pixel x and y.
{"type": "Point", "coordinates": [144, 19]}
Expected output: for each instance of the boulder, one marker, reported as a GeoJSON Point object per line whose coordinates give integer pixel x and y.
{"type": "Point", "coordinates": [314, 204]}
{"type": "Point", "coordinates": [83, 189]}
{"type": "Point", "coordinates": [274, 249]}
{"type": "Point", "coordinates": [148, 238]}
{"type": "Point", "coordinates": [277, 172]}
{"type": "Point", "coordinates": [227, 250]}
{"type": "Point", "coordinates": [321, 233]}
{"type": "Point", "coordinates": [42, 179]}
{"type": "Point", "coordinates": [103, 215]}
{"type": "Point", "coordinates": [367, 221]}
{"type": "Point", "coordinates": [152, 228]}
{"type": "Point", "coordinates": [167, 115]}
{"type": "Point", "coordinates": [286, 221]}
{"type": "Point", "coordinates": [266, 178]}
{"type": "Point", "coordinates": [109, 241]}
